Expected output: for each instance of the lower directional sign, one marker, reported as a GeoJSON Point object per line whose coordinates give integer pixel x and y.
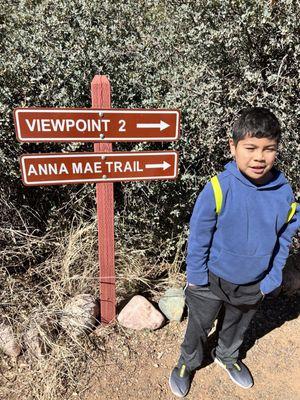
{"type": "Point", "coordinates": [62, 169]}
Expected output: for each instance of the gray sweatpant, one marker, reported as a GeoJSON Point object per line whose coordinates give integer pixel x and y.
{"type": "Point", "coordinates": [240, 304]}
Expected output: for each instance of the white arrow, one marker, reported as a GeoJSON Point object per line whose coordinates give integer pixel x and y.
{"type": "Point", "coordinates": [164, 165]}
{"type": "Point", "coordinates": [162, 125]}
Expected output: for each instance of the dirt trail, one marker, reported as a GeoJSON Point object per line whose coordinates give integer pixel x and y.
{"type": "Point", "coordinates": [137, 364]}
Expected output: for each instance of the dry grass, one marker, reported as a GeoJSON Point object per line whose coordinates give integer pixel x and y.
{"type": "Point", "coordinates": [34, 293]}
{"type": "Point", "coordinates": [39, 274]}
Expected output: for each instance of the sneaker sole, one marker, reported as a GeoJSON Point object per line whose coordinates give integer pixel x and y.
{"type": "Point", "coordinates": [222, 366]}
{"type": "Point", "coordinates": [178, 394]}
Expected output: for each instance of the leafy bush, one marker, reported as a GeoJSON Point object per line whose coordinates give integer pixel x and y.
{"type": "Point", "coordinates": [207, 58]}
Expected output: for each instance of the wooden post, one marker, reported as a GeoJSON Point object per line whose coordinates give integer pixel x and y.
{"type": "Point", "coordinates": [100, 90]}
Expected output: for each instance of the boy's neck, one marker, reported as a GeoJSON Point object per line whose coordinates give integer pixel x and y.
{"type": "Point", "coordinates": [266, 179]}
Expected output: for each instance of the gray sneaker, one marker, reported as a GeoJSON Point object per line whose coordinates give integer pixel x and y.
{"type": "Point", "coordinates": [180, 380]}
{"type": "Point", "coordinates": [238, 372]}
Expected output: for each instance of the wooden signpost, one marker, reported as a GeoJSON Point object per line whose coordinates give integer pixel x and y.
{"type": "Point", "coordinates": [101, 125]}
{"type": "Point", "coordinates": [101, 93]}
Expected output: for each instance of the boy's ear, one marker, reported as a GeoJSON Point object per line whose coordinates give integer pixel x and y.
{"type": "Point", "coordinates": [232, 147]}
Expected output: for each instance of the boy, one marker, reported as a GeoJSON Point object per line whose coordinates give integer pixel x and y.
{"type": "Point", "coordinates": [240, 231]}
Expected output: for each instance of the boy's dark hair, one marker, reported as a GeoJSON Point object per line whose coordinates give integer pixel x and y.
{"type": "Point", "coordinates": [259, 122]}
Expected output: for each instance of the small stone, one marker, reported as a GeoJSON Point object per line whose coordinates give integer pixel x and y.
{"type": "Point", "coordinates": [8, 343]}
{"type": "Point", "coordinates": [172, 304]}
{"type": "Point", "coordinates": [79, 314]}
{"type": "Point", "coordinates": [37, 335]}
{"type": "Point", "coordinates": [33, 342]}
{"type": "Point", "coordinates": [139, 314]}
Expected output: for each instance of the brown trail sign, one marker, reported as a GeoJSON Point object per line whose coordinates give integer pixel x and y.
{"type": "Point", "coordinates": [60, 169]}
{"type": "Point", "coordinates": [101, 125]}
{"type": "Point", "coordinates": [95, 125]}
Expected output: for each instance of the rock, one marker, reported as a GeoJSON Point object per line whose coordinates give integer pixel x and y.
{"type": "Point", "coordinates": [8, 342]}
{"type": "Point", "coordinates": [172, 304]}
{"type": "Point", "coordinates": [80, 314]}
{"type": "Point", "coordinates": [139, 314]}
{"type": "Point", "coordinates": [35, 342]}
{"type": "Point", "coordinates": [291, 274]}
{"type": "Point", "coordinates": [40, 333]}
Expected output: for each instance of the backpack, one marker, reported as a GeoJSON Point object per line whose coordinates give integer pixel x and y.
{"type": "Point", "coordinates": [219, 199]}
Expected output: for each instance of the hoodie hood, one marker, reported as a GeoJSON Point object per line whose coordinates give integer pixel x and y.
{"type": "Point", "coordinates": [277, 180]}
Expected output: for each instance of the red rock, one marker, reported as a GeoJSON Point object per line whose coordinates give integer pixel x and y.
{"type": "Point", "coordinates": [139, 314]}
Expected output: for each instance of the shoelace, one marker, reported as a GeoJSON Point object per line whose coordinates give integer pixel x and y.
{"type": "Point", "coordinates": [236, 365]}
{"type": "Point", "coordinates": [182, 370]}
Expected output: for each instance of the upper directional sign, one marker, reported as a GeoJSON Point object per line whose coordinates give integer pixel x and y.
{"type": "Point", "coordinates": [68, 168]}
{"type": "Point", "coordinates": [93, 125]}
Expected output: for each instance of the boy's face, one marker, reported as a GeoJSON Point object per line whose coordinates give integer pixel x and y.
{"type": "Point", "coordinates": [255, 157]}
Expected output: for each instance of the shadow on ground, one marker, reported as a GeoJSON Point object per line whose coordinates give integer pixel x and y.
{"type": "Point", "coordinates": [273, 313]}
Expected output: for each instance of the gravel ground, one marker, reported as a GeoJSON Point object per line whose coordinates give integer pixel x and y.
{"type": "Point", "coordinates": [137, 364]}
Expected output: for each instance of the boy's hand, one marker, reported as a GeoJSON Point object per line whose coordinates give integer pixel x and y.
{"type": "Point", "coordinates": [193, 285]}
{"type": "Point", "coordinates": [274, 294]}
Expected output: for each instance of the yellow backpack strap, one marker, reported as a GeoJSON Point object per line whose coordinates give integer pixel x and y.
{"type": "Point", "coordinates": [291, 212]}
{"type": "Point", "coordinates": [218, 193]}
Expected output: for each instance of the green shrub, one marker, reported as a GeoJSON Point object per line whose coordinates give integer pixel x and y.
{"type": "Point", "coordinates": [207, 58]}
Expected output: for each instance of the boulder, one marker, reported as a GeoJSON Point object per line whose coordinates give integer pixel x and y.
{"type": "Point", "coordinates": [8, 342]}
{"type": "Point", "coordinates": [172, 304]}
{"type": "Point", "coordinates": [80, 314]}
{"type": "Point", "coordinates": [139, 314]}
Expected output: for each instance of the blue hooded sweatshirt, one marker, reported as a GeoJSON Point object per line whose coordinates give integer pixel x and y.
{"type": "Point", "coordinates": [249, 240]}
